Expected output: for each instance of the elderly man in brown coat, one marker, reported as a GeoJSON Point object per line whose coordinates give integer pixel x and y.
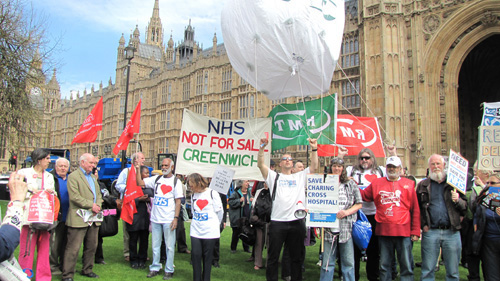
{"type": "Point", "coordinates": [84, 193]}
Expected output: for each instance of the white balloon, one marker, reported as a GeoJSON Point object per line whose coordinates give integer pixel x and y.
{"type": "Point", "coordinates": [284, 48]}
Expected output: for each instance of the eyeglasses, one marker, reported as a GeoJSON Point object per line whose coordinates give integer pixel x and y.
{"type": "Point", "coordinates": [286, 158]}
{"type": "Point", "coordinates": [365, 157]}
{"type": "Point", "coordinates": [492, 182]}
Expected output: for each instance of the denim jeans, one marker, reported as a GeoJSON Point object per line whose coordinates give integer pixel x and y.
{"type": "Point", "coordinates": [346, 260]}
{"type": "Point", "coordinates": [158, 230]}
{"type": "Point", "coordinates": [387, 246]}
{"type": "Point", "coordinates": [449, 241]}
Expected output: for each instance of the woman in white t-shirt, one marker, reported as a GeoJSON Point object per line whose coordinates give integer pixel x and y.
{"type": "Point", "coordinates": [207, 216]}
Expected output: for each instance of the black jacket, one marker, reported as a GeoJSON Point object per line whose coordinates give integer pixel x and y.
{"type": "Point", "coordinates": [455, 210]}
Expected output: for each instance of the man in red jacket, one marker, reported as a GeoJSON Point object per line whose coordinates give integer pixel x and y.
{"type": "Point", "coordinates": [397, 216]}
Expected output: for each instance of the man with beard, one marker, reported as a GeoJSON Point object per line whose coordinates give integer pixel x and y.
{"type": "Point", "coordinates": [165, 212]}
{"type": "Point", "coordinates": [442, 229]}
{"type": "Point", "coordinates": [397, 216]}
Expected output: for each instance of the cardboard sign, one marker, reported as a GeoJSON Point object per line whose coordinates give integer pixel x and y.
{"type": "Point", "coordinates": [221, 180]}
{"type": "Point", "coordinates": [489, 148]}
{"type": "Point", "coordinates": [41, 208]}
{"type": "Point", "coordinates": [491, 115]}
{"type": "Point", "coordinates": [457, 171]}
{"type": "Point", "coordinates": [322, 201]}
{"type": "Point", "coordinates": [206, 142]}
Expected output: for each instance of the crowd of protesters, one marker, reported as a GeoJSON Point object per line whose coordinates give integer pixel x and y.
{"type": "Point", "coordinates": [452, 226]}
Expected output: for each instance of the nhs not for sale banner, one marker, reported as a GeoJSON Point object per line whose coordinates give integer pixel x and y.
{"type": "Point", "coordinates": [206, 142]}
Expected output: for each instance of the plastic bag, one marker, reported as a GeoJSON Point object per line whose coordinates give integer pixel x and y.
{"type": "Point", "coordinates": [361, 231]}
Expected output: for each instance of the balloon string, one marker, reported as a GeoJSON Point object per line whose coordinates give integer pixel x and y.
{"type": "Point", "coordinates": [388, 138]}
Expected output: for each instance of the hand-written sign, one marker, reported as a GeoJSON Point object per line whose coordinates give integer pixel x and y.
{"type": "Point", "coordinates": [206, 142]}
{"type": "Point", "coordinates": [322, 200]}
{"type": "Point", "coordinates": [221, 180]}
{"type": "Point", "coordinates": [457, 171]}
{"type": "Point", "coordinates": [489, 148]}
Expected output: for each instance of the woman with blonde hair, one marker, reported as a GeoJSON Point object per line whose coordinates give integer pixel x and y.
{"type": "Point", "coordinates": [207, 216]}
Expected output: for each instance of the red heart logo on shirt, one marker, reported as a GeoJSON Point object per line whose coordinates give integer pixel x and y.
{"type": "Point", "coordinates": [201, 203]}
{"type": "Point", "coordinates": [165, 188]}
{"type": "Point", "coordinates": [370, 178]}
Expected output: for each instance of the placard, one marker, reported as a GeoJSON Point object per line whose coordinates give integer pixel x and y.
{"type": "Point", "coordinates": [322, 200]}
{"type": "Point", "coordinates": [457, 171]}
{"type": "Point", "coordinates": [489, 148]}
{"type": "Point", "coordinates": [221, 180]}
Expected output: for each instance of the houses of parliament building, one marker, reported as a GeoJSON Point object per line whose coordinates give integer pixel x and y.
{"type": "Point", "coordinates": [422, 67]}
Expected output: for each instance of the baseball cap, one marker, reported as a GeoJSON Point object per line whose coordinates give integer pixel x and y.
{"type": "Point", "coordinates": [393, 160]}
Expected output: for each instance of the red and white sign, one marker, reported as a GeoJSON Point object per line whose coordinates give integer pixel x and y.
{"type": "Point", "coordinates": [41, 208]}
{"type": "Point", "coordinates": [355, 133]}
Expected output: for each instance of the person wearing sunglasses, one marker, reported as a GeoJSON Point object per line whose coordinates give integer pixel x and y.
{"type": "Point", "coordinates": [486, 238]}
{"type": "Point", "coordinates": [284, 226]}
{"type": "Point", "coordinates": [363, 173]}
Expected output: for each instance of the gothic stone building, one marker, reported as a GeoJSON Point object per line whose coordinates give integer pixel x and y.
{"type": "Point", "coordinates": [422, 67]}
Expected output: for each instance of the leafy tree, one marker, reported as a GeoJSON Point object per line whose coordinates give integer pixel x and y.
{"type": "Point", "coordinates": [24, 48]}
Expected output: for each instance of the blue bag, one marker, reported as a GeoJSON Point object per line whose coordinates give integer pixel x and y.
{"type": "Point", "coordinates": [361, 231]}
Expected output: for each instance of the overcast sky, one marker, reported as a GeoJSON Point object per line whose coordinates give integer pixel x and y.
{"type": "Point", "coordinates": [90, 29]}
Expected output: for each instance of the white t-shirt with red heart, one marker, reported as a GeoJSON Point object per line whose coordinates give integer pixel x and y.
{"type": "Point", "coordinates": [163, 209]}
{"type": "Point", "coordinates": [364, 179]}
{"type": "Point", "coordinates": [207, 215]}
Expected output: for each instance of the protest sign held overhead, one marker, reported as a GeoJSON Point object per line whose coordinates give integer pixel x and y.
{"type": "Point", "coordinates": [293, 124]}
{"type": "Point", "coordinates": [355, 133]}
{"type": "Point", "coordinates": [491, 116]}
{"type": "Point", "coordinates": [206, 142]}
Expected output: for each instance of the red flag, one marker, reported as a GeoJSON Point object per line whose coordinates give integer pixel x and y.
{"type": "Point", "coordinates": [355, 133]}
{"type": "Point", "coordinates": [89, 128]}
{"type": "Point", "coordinates": [133, 126]}
{"type": "Point", "coordinates": [132, 191]}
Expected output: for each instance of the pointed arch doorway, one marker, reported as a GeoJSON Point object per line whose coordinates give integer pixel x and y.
{"type": "Point", "coordinates": [479, 81]}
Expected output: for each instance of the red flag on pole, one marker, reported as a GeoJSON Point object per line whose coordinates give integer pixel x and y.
{"type": "Point", "coordinates": [91, 125]}
{"type": "Point", "coordinates": [355, 133]}
{"type": "Point", "coordinates": [132, 191]}
{"type": "Point", "coordinates": [133, 126]}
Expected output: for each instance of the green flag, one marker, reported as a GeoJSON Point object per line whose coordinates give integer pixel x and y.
{"type": "Point", "coordinates": [292, 125]}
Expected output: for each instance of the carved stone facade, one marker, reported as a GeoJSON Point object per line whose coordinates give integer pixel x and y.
{"type": "Point", "coordinates": [402, 57]}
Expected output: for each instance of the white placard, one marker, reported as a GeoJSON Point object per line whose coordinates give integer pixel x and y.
{"type": "Point", "coordinates": [221, 180]}
{"type": "Point", "coordinates": [457, 171]}
{"type": "Point", "coordinates": [322, 200]}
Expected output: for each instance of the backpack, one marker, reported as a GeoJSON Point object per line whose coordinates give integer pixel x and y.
{"type": "Point", "coordinates": [263, 204]}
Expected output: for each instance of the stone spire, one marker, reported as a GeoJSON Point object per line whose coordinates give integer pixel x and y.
{"type": "Point", "coordinates": [154, 35]}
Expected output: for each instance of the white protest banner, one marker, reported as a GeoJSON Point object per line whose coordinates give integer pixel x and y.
{"type": "Point", "coordinates": [206, 142]}
{"type": "Point", "coordinates": [489, 148]}
{"type": "Point", "coordinates": [491, 115]}
{"type": "Point", "coordinates": [221, 180]}
{"type": "Point", "coordinates": [457, 171]}
{"type": "Point", "coordinates": [322, 200]}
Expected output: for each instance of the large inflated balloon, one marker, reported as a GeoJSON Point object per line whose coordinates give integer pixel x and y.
{"type": "Point", "coordinates": [284, 48]}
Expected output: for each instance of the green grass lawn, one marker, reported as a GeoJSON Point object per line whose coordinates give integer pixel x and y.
{"type": "Point", "coordinates": [233, 266]}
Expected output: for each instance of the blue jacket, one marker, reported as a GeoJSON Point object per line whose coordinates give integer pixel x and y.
{"type": "Point", "coordinates": [9, 239]}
